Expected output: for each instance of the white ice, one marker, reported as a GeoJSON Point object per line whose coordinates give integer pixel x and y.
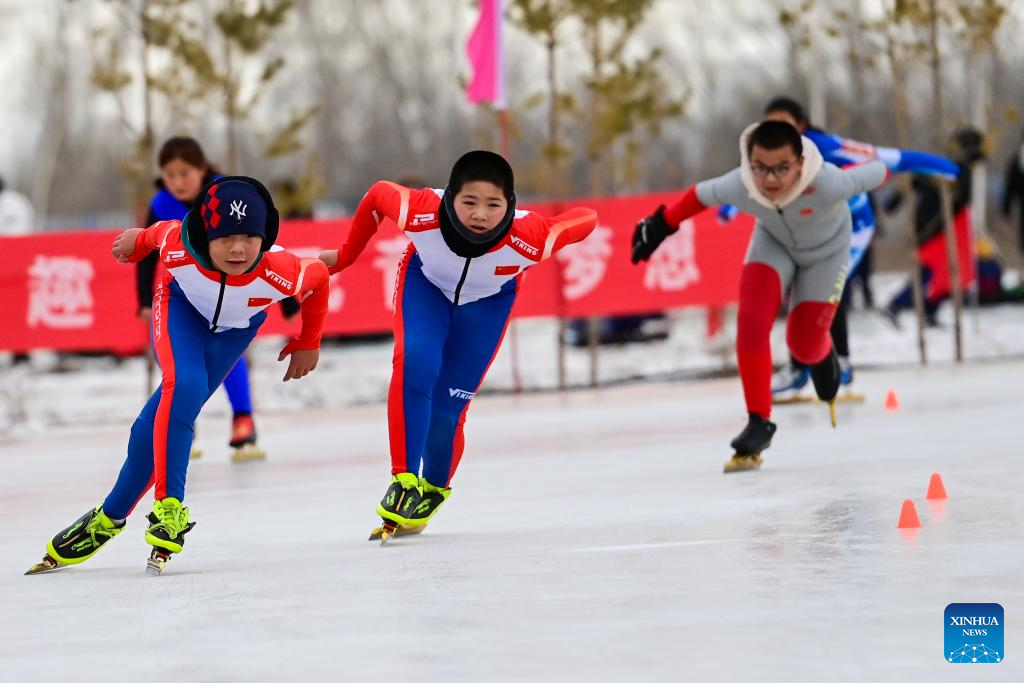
{"type": "Point", "coordinates": [591, 536]}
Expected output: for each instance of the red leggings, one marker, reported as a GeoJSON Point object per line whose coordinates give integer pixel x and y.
{"type": "Point", "coordinates": [807, 333]}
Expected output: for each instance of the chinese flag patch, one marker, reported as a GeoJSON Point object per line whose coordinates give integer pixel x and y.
{"type": "Point", "coordinates": [506, 270]}
{"type": "Point", "coordinates": [259, 301]}
{"type": "Point", "coordinates": [806, 212]}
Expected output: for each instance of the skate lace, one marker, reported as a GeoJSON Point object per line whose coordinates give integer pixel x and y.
{"type": "Point", "coordinates": [170, 519]}
{"type": "Point", "coordinates": [94, 529]}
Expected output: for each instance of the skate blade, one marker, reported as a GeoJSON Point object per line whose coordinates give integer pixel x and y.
{"type": "Point", "coordinates": [158, 559]}
{"type": "Point", "coordinates": [248, 453]}
{"type": "Point", "coordinates": [850, 397]}
{"type": "Point", "coordinates": [832, 412]}
{"type": "Point", "coordinates": [387, 531]}
{"type": "Point", "coordinates": [743, 463]}
{"type": "Point", "coordinates": [195, 453]}
{"type": "Point", "coordinates": [793, 400]}
{"type": "Point", "coordinates": [376, 534]}
{"type": "Point", "coordinates": [48, 564]}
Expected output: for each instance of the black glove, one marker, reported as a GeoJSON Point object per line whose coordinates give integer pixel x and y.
{"type": "Point", "coordinates": [649, 233]}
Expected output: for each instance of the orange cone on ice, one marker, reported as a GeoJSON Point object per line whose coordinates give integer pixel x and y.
{"type": "Point", "coordinates": [936, 489]}
{"type": "Point", "coordinates": [892, 404]}
{"type": "Point", "coordinates": [908, 516]}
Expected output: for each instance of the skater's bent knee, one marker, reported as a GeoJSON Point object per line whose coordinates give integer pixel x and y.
{"type": "Point", "coordinates": [807, 331]}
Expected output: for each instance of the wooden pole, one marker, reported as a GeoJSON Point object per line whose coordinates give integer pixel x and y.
{"type": "Point", "coordinates": [593, 342]}
{"type": "Point", "coordinates": [922, 346]}
{"type": "Point", "coordinates": [906, 187]}
{"type": "Point", "coordinates": [561, 325]}
{"type": "Point", "coordinates": [953, 260]}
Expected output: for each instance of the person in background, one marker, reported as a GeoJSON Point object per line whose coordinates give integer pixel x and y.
{"type": "Point", "coordinates": [1013, 193]}
{"type": "Point", "coordinates": [17, 216]}
{"type": "Point", "coordinates": [930, 230]}
{"type": "Point", "coordinates": [845, 152]}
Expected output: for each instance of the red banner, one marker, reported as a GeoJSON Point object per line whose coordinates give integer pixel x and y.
{"type": "Point", "coordinates": [64, 291]}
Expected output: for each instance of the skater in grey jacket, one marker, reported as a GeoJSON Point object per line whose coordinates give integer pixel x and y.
{"type": "Point", "coordinates": [800, 244]}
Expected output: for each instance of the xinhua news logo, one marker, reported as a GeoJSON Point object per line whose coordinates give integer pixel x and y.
{"type": "Point", "coordinates": [974, 633]}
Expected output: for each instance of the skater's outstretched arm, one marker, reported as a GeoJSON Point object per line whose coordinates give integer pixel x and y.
{"type": "Point", "coordinates": [652, 230]}
{"type": "Point", "coordinates": [135, 243]}
{"type": "Point", "coordinates": [312, 290]}
{"type": "Point", "coordinates": [384, 200]}
{"type": "Point", "coordinates": [564, 229]}
{"type": "Point", "coordinates": [842, 184]}
{"type": "Point", "coordinates": [842, 151]}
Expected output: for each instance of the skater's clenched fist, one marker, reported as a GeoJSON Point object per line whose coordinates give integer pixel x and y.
{"type": "Point", "coordinates": [303, 361]}
{"type": "Point", "coordinates": [649, 233]}
{"type": "Point", "coordinates": [124, 244]}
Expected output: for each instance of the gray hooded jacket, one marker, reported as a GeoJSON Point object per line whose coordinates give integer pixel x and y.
{"type": "Point", "coordinates": [812, 221]}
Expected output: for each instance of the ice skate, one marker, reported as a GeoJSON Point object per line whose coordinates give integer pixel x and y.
{"type": "Point", "coordinates": [243, 440]}
{"type": "Point", "coordinates": [826, 378]}
{"type": "Point", "coordinates": [431, 499]}
{"type": "Point", "coordinates": [78, 542]}
{"type": "Point", "coordinates": [755, 438]}
{"type": "Point", "coordinates": [168, 524]}
{"type": "Point", "coordinates": [402, 496]}
{"type": "Point", "coordinates": [788, 383]}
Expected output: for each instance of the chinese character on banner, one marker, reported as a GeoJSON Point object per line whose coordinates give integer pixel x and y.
{"type": "Point", "coordinates": [586, 262]}
{"type": "Point", "coordinates": [59, 292]}
{"type": "Point", "coordinates": [673, 267]}
{"type": "Point", "coordinates": [389, 256]}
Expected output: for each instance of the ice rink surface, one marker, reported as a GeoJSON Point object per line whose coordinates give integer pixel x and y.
{"type": "Point", "coordinates": [591, 536]}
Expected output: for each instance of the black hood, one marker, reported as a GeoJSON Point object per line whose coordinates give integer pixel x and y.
{"type": "Point", "coordinates": [476, 165]}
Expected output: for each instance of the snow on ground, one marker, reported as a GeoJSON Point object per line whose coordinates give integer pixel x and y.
{"type": "Point", "coordinates": [591, 536]}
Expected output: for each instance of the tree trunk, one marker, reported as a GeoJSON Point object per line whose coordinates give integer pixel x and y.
{"type": "Point", "coordinates": [145, 144]}
{"type": "Point", "coordinates": [55, 124]}
{"type": "Point", "coordinates": [595, 183]}
{"type": "Point", "coordinates": [230, 104]}
{"type": "Point", "coordinates": [855, 56]}
{"type": "Point", "coordinates": [935, 62]}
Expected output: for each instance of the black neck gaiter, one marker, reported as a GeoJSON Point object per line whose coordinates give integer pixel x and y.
{"type": "Point", "coordinates": [465, 242]}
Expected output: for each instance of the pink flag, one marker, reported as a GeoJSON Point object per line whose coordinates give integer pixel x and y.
{"type": "Point", "coordinates": [485, 56]}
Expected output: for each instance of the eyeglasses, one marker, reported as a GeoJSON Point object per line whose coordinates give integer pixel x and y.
{"type": "Point", "coordinates": [778, 170]}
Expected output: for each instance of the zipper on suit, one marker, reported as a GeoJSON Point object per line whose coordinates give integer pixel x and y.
{"type": "Point", "coordinates": [462, 281]}
{"type": "Point", "coordinates": [782, 217]}
{"type": "Point", "coordinates": [220, 302]}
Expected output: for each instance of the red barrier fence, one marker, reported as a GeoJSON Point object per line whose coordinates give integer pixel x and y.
{"type": "Point", "coordinates": [64, 291]}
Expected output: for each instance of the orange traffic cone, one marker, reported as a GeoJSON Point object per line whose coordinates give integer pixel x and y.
{"type": "Point", "coordinates": [908, 516]}
{"type": "Point", "coordinates": [936, 490]}
{"type": "Point", "coordinates": [892, 404]}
